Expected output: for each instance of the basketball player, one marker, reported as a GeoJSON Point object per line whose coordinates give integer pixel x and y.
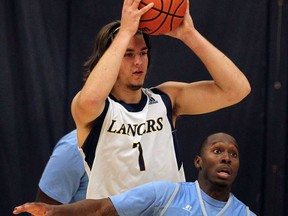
{"type": "Point", "coordinates": [218, 164]}
{"type": "Point", "coordinates": [64, 179]}
{"type": "Point", "coordinates": [128, 132]}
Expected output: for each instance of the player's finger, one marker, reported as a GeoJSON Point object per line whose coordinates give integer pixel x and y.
{"type": "Point", "coordinates": [135, 3]}
{"type": "Point", "coordinates": [36, 209]}
{"type": "Point", "coordinates": [19, 209]}
{"type": "Point", "coordinates": [146, 8]}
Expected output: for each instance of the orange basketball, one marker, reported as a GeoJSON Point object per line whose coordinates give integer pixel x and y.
{"type": "Point", "coordinates": [163, 17]}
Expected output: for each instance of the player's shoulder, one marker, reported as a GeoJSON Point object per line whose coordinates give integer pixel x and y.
{"type": "Point", "coordinates": [70, 139]}
{"type": "Point", "coordinates": [67, 143]}
{"type": "Point", "coordinates": [160, 185]}
{"type": "Point", "coordinates": [156, 92]}
{"type": "Point", "coordinates": [171, 186]}
{"type": "Point", "coordinates": [153, 90]}
{"type": "Point", "coordinates": [71, 136]}
{"type": "Point", "coordinates": [238, 205]}
{"type": "Point", "coordinates": [187, 186]}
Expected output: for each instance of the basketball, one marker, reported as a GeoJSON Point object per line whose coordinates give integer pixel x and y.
{"type": "Point", "coordinates": [163, 17]}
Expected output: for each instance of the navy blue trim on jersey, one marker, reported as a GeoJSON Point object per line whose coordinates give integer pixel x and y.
{"type": "Point", "coordinates": [168, 104]}
{"type": "Point", "coordinates": [90, 144]}
{"type": "Point", "coordinates": [132, 107]}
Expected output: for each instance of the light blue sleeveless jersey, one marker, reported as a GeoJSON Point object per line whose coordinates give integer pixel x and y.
{"type": "Point", "coordinates": [174, 199]}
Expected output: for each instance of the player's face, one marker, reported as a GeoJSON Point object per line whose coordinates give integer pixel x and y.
{"type": "Point", "coordinates": [134, 64]}
{"type": "Point", "coordinates": [220, 161]}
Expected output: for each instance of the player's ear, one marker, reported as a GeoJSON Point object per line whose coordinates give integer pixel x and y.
{"type": "Point", "coordinates": [198, 162]}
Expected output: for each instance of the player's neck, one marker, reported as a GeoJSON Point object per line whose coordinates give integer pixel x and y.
{"type": "Point", "coordinates": [128, 96]}
{"type": "Point", "coordinates": [220, 193]}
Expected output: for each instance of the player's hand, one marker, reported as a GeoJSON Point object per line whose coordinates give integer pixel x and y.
{"type": "Point", "coordinates": [34, 208]}
{"type": "Point", "coordinates": [131, 15]}
{"type": "Point", "coordinates": [185, 26]}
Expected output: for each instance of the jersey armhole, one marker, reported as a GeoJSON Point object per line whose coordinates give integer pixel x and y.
{"type": "Point", "coordinates": [90, 144]}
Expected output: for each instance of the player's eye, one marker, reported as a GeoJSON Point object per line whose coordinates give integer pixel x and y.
{"type": "Point", "coordinates": [234, 154]}
{"type": "Point", "coordinates": [217, 151]}
{"type": "Point", "coordinates": [144, 53]}
{"type": "Point", "coordinates": [130, 55]}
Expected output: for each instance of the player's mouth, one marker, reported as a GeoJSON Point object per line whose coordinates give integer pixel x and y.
{"type": "Point", "coordinates": [224, 172]}
{"type": "Point", "coordinates": [138, 73]}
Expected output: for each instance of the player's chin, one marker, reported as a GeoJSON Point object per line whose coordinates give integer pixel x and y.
{"type": "Point", "coordinates": [223, 182]}
{"type": "Point", "coordinates": [136, 87]}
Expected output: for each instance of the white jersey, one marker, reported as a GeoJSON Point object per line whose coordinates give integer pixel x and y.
{"type": "Point", "coordinates": [132, 144]}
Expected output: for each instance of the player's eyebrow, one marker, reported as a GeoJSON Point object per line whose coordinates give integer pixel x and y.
{"type": "Point", "coordinates": [131, 50]}
{"type": "Point", "coordinates": [222, 142]}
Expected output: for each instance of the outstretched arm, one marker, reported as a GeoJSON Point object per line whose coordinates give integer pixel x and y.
{"type": "Point", "coordinates": [102, 207]}
{"type": "Point", "coordinates": [229, 85]}
{"type": "Point", "coordinates": [43, 197]}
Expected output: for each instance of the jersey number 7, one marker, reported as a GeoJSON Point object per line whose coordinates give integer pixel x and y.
{"type": "Point", "coordinates": [140, 158]}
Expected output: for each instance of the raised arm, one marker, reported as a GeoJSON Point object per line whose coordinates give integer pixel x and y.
{"type": "Point", "coordinates": [89, 103]}
{"type": "Point", "coordinates": [229, 85]}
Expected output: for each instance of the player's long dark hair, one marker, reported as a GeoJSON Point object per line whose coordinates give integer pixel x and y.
{"type": "Point", "coordinates": [103, 41]}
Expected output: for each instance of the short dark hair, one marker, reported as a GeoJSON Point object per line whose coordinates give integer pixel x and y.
{"type": "Point", "coordinates": [103, 41]}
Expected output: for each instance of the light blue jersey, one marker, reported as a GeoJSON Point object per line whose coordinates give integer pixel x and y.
{"type": "Point", "coordinates": [170, 199]}
{"type": "Point", "coordinates": [64, 178]}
